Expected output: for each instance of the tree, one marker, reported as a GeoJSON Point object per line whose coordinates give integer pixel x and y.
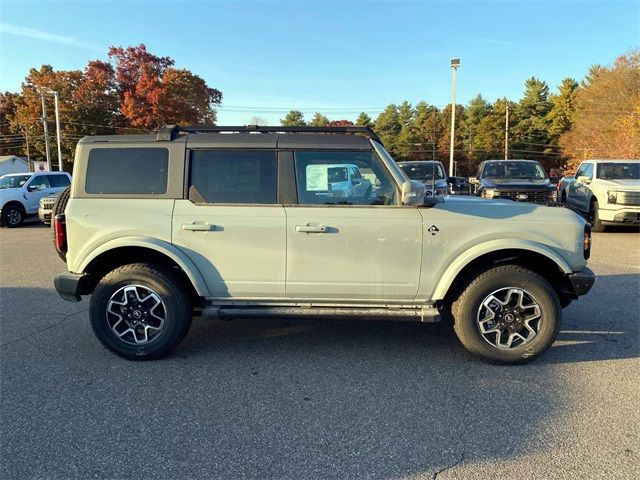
{"type": "Point", "coordinates": [387, 126]}
{"type": "Point", "coordinates": [364, 120]}
{"type": "Point", "coordinates": [476, 111]}
{"type": "Point", "coordinates": [445, 138]}
{"type": "Point", "coordinates": [319, 120]}
{"type": "Point", "coordinates": [257, 121]}
{"type": "Point", "coordinates": [340, 123]}
{"type": "Point", "coordinates": [531, 134]}
{"type": "Point", "coordinates": [428, 129]}
{"type": "Point", "coordinates": [561, 116]}
{"type": "Point", "coordinates": [153, 93]}
{"type": "Point", "coordinates": [607, 113]}
{"type": "Point", "coordinates": [294, 118]}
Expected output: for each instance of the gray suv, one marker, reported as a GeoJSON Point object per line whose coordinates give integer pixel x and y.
{"type": "Point", "coordinates": [236, 222]}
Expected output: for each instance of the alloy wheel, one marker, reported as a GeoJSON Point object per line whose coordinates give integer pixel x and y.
{"type": "Point", "coordinates": [509, 317]}
{"type": "Point", "coordinates": [136, 314]}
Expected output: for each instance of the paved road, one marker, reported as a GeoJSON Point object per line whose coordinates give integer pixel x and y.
{"type": "Point", "coordinates": [315, 399]}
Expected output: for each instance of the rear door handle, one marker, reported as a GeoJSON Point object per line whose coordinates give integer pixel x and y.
{"type": "Point", "coordinates": [311, 228]}
{"type": "Point", "coordinates": [198, 227]}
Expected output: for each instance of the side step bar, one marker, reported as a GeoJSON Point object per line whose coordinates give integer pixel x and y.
{"type": "Point", "coordinates": [427, 314]}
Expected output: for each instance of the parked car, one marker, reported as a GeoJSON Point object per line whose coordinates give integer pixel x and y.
{"type": "Point", "coordinates": [459, 186]}
{"type": "Point", "coordinates": [20, 194]}
{"type": "Point", "coordinates": [429, 172]}
{"type": "Point", "coordinates": [46, 207]}
{"type": "Point", "coordinates": [338, 181]}
{"type": "Point", "coordinates": [607, 192]}
{"type": "Point", "coordinates": [519, 180]}
{"type": "Point", "coordinates": [232, 223]}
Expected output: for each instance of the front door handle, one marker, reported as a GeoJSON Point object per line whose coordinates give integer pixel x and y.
{"type": "Point", "coordinates": [198, 227]}
{"type": "Point", "coordinates": [311, 228]}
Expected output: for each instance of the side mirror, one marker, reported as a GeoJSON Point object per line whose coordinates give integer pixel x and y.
{"type": "Point", "coordinates": [413, 192]}
{"type": "Point", "coordinates": [583, 179]}
{"type": "Point", "coordinates": [33, 188]}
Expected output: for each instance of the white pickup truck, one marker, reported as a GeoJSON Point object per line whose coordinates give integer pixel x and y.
{"type": "Point", "coordinates": [606, 191]}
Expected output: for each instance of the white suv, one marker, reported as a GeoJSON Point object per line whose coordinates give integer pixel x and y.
{"type": "Point", "coordinates": [20, 194]}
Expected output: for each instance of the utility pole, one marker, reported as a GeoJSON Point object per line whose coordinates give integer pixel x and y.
{"type": "Point", "coordinates": [26, 136]}
{"type": "Point", "coordinates": [46, 131]}
{"type": "Point", "coordinates": [506, 133]}
{"type": "Point", "coordinates": [433, 144]}
{"type": "Point", "coordinates": [455, 63]}
{"type": "Point", "coordinates": [59, 141]}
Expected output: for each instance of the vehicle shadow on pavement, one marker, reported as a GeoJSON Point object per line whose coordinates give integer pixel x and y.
{"type": "Point", "coordinates": [281, 399]}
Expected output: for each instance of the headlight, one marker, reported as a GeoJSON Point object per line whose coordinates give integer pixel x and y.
{"type": "Point", "coordinates": [489, 193]}
{"type": "Point", "coordinates": [612, 197]}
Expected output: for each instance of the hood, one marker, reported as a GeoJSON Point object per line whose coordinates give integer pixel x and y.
{"type": "Point", "coordinates": [517, 183]}
{"type": "Point", "coordinates": [621, 184]}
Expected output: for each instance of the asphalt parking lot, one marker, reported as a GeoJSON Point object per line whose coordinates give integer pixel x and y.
{"type": "Point", "coordinates": [315, 399]}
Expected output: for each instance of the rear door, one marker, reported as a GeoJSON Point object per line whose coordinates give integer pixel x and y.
{"type": "Point", "coordinates": [360, 248]}
{"type": "Point", "coordinates": [230, 224]}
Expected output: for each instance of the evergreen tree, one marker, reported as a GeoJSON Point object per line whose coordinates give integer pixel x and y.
{"type": "Point", "coordinates": [563, 109]}
{"type": "Point", "coordinates": [364, 120]}
{"type": "Point", "coordinates": [294, 118]}
{"type": "Point", "coordinates": [476, 111]}
{"type": "Point", "coordinates": [428, 129]}
{"type": "Point", "coordinates": [319, 120]}
{"type": "Point", "coordinates": [388, 127]}
{"type": "Point", "coordinates": [531, 134]}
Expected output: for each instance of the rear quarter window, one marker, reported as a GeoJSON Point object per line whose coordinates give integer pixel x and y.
{"type": "Point", "coordinates": [141, 171]}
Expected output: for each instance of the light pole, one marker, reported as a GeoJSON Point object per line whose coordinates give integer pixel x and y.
{"type": "Point", "coordinates": [57, 106]}
{"type": "Point", "coordinates": [455, 63]}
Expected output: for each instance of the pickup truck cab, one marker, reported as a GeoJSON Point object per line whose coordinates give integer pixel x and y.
{"type": "Point", "coordinates": [518, 180]}
{"type": "Point", "coordinates": [236, 222]}
{"type": "Point", "coordinates": [607, 192]}
{"type": "Point", "coordinates": [20, 194]}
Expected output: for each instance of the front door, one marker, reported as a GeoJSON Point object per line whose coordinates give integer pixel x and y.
{"type": "Point", "coordinates": [361, 247]}
{"type": "Point", "coordinates": [230, 225]}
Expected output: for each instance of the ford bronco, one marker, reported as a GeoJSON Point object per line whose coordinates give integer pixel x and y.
{"type": "Point", "coordinates": [237, 222]}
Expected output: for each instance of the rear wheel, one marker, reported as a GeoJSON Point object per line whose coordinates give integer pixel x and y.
{"type": "Point", "coordinates": [141, 311]}
{"type": "Point", "coordinates": [12, 215]}
{"type": "Point", "coordinates": [507, 314]}
{"type": "Point", "coordinates": [594, 218]}
{"type": "Point", "coordinates": [59, 207]}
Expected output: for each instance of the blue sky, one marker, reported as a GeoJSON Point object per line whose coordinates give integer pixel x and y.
{"type": "Point", "coordinates": [337, 57]}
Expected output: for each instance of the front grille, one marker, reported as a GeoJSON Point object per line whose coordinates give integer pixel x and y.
{"type": "Point", "coordinates": [48, 205]}
{"type": "Point", "coordinates": [628, 198]}
{"type": "Point", "coordinates": [534, 196]}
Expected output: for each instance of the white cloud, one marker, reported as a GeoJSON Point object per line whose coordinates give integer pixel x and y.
{"type": "Point", "coordinates": [28, 32]}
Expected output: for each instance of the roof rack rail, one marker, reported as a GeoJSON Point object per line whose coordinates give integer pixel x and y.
{"type": "Point", "coordinates": [170, 132]}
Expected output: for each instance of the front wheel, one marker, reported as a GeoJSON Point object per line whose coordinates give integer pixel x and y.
{"type": "Point", "coordinates": [12, 216]}
{"type": "Point", "coordinates": [140, 311]}
{"type": "Point", "coordinates": [507, 314]}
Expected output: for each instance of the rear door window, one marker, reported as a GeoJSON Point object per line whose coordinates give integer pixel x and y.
{"type": "Point", "coordinates": [141, 171]}
{"type": "Point", "coordinates": [233, 176]}
{"type": "Point", "coordinates": [58, 181]}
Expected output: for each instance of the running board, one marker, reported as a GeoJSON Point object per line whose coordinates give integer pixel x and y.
{"type": "Point", "coordinates": [427, 314]}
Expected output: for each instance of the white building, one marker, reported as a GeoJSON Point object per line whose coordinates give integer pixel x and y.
{"type": "Point", "coordinates": [13, 164]}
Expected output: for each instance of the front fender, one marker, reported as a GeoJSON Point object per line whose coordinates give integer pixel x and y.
{"type": "Point", "coordinates": [461, 261]}
{"type": "Point", "coordinates": [174, 253]}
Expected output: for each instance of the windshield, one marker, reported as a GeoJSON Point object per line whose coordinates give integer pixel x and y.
{"type": "Point", "coordinates": [13, 181]}
{"type": "Point", "coordinates": [521, 170]}
{"type": "Point", "coordinates": [619, 171]}
{"type": "Point", "coordinates": [423, 171]}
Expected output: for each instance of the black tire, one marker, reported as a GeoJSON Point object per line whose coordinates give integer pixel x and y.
{"type": "Point", "coordinates": [594, 218]}
{"type": "Point", "coordinates": [59, 207]}
{"type": "Point", "coordinates": [176, 306]}
{"type": "Point", "coordinates": [13, 215]}
{"type": "Point", "coordinates": [467, 308]}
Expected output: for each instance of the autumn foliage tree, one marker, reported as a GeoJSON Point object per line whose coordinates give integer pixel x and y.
{"type": "Point", "coordinates": [607, 113]}
{"type": "Point", "coordinates": [134, 91]}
